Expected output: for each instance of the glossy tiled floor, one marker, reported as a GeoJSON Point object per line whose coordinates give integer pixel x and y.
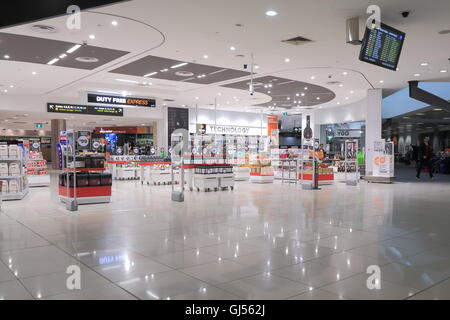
{"type": "Point", "coordinates": [257, 242]}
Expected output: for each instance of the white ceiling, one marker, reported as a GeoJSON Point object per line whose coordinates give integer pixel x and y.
{"type": "Point", "coordinates": [187, 30]}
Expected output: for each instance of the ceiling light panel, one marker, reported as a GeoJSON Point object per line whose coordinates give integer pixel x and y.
{"type": "Point", "coordinates": [168, 69]}
{"type": "Point", "coordinates": [25, 49]}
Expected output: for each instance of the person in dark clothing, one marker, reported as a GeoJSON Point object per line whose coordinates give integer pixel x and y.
{"type": "Point", "coordinates": [425, 155]}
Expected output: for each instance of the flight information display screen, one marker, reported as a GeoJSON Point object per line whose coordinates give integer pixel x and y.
{"type": "Point", "coordinates": [382, 47]}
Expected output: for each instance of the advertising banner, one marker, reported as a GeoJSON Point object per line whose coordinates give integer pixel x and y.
{"type": "Point", "coordinates": [383, 159]}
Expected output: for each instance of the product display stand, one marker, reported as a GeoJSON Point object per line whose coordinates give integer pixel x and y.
{"type": "Point", "coordinates": [213, 177]}
{"type": "Point", "coordinates": [311, 178]}
{"type": "Point", "coordinates": [351, 163]}
{"type": "Point", "coordinates": [14, 185]}
{"type": "Point", "coordinates": [292, 167]}
{"type": "Point", "coordinates": [241, 173]}
{"type": "Point", "coordinates": [37, 170]}
{"type": "Point", "coordinates": [92, 188]}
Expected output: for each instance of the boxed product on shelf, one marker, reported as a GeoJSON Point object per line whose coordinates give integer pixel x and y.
{"type": "Point", "coordinates": [3, 169]}
{"type": "Point", "coordinates": [14, 169]}
{"type": "Point", "coordinates": [94, 180]}
{"type": "Point", "coordinates": [94, 161]}
{"type": "Point", "coordinates": [4, 151]}
{"type": "Point", "coordinates": [13, 151]}
{"type": "Point", "coordinates": [4, 186]}
{"type": "Point", "coordinates": [13, 186]}
{"type": "Point", "coordinates": [106, 179]}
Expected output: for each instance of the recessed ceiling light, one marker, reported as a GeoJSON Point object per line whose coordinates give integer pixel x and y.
{"type": "Point", "coordinates": [268, 91]}
{"type": "Point", "coordinates": [288, 98]}
{"type": "Point", "coordinates": [287, 60]}
{"type": "Point", "coordinates": [62, 56]}
{"type": "Point", "coordinates": [219, 93]}
{"type": "Point", "coordinates": [34, 73]}
{"type": "Point", "coordinates": [352, 92]}
{"type": "Point", "coordinates": [338, 103]}
{"type": "Point", "coordinates": [205, 56]}
{"type": "Point", "coordinates": [303, 94]}
{"type": "Point", "coordinates": [381, 81]}
{"type": "Point", "coordinates": [128, 81]}
{"type": "Point", "coordinates": [345, 73]}
{"type": "Point", "coordinates": [424, 64]}
{"type": "Point", "coordinates": [5, 91]}
{"type": "Point", "coordinates": [196, 98]}
{"type": "Point", "coordinates": [53, 61]}
{"type": "Point", "coordinates": [232, 48]}
{"type": "Point", "coordinates": [318, 98]}
{"type": "Point", "coordinates": [150, 74]}
{"type": "Point", "coordinates": [443, 71]}
{"type": "Point", "coordinates": [164, 70]}
{"type": "Point", "coordinates": [416, 74]}
{"type": "Point", "coordinates": [437, 109]}
{"type": "Point", "coordinates": [74, 48]}
{"type": "Point", "coordinates": [312, 77]}
{"type": "Point", "coordinates": [271, 13]}
{"type": "Point", "coordinates": [306, 88]}
{"type": "Point", "coordinates": [346, 98]}
{"type": "Point", "coordinates": [92, 36]}
{"type": "Point", "coordinates": [114, 23]}
{"type": "Point", "coordinates": [256, 66]}
{"type": "Point", "coordinates": [11, 86]}
{"type": "Point", "coordinates": [6, 56]}
{"type": "Point", "coordinates": [179, 65]}
{"type": "Point", "coordinates": [341, 85]}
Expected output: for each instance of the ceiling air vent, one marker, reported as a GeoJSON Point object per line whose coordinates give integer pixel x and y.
{"type": "Point", "coordinates": [20, 122]}
{"type": "Point", "coordinates": [169, 100]}
{"type": "Point", "coordinates": [297, 41]}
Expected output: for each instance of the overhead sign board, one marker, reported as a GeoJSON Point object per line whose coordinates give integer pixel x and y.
{"type": "Point", "coordinates": [124, 101]}
{"type": "Point", "coordinates": [231, 130]}
{"type": "Point", "coordinates": [86, 110]}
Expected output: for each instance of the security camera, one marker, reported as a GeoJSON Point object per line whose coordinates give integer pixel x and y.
{"type": "Point", "coordinates": [405, 14]}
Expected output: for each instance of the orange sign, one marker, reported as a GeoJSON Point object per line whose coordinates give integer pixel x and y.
{"type": "Point", "coordinates": [272, 124]}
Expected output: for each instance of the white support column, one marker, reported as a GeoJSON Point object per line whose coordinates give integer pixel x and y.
{"type": "Point", "coordinates": [161, 132]}
{"type": "Point", "coordinates": [373, 125]}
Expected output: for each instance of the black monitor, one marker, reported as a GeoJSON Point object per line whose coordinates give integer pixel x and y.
{"type": "Point", "coordinates": [382, 47]}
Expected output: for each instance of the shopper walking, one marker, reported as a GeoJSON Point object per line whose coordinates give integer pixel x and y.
{"type": "Point", "coordinates": [425, 155]}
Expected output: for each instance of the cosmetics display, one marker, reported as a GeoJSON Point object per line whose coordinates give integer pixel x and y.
{"type": "Point", "coordinates": [261, 170]}
{"type": "Point", "coordinates": [13, 179]}
{"type": "Point", "coordinates": [37, 170]}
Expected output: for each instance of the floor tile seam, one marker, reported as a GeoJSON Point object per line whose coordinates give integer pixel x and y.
{"type": "Point", "coordinates": [220, 283]}
{"type": "Point", "coordinates": [320, 286]}
{"type": "Point", "coordinates": [21, 284]}
{"type": "Point", "coordinates": [99, 274]}
{"type": "Point", "coordinates": [364, 273]}
{"type": "Point", "coordinates": [429, 288]}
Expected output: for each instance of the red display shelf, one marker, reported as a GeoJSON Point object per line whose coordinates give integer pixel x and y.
{"type": "Point", "coordinates": [118, 162]}
{"type": "Point", "coordinates": [85, 192]}
{"type": "Point", "coordinates": [84, 169]}
{"type": "Point", "coordinates": [322, 177]}
{"type": "Point", "coordinates": [153, 163]}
